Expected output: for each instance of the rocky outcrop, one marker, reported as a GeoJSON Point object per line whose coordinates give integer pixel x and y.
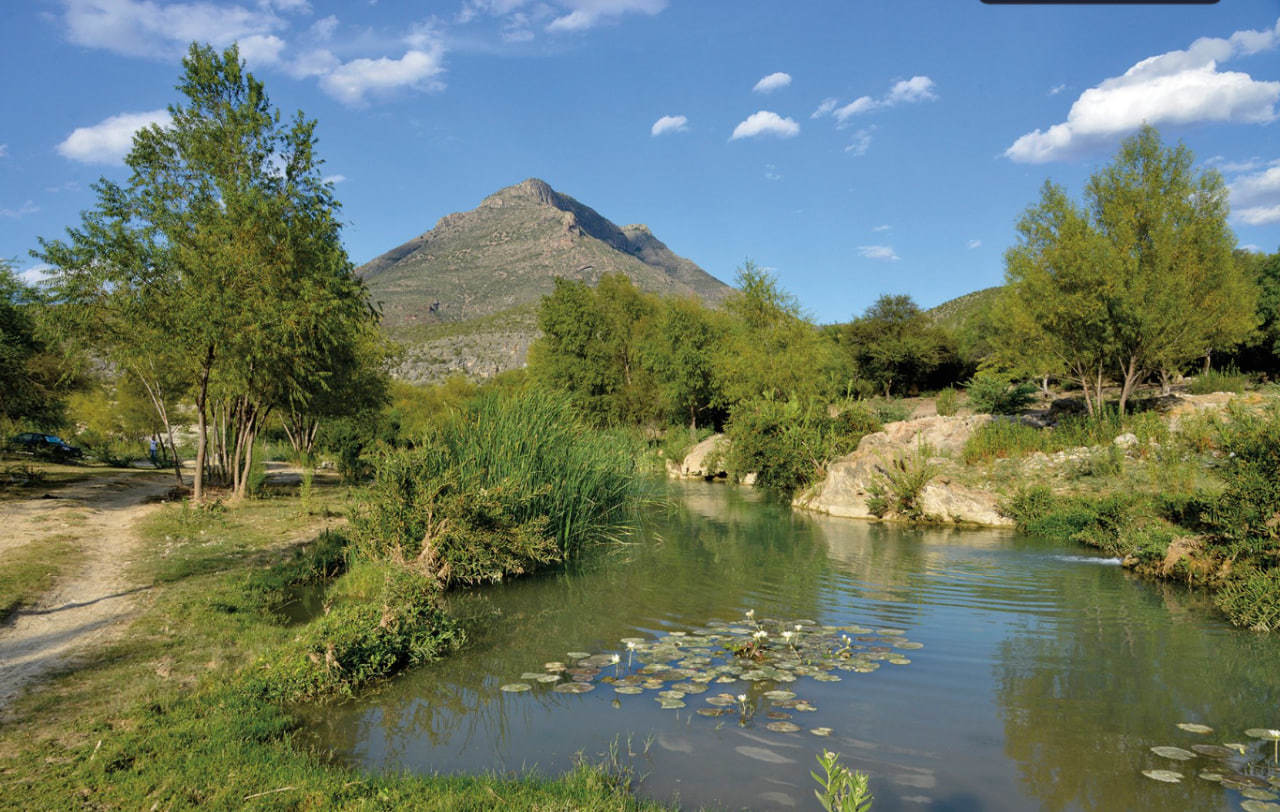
{"type": "Point", "coordinates": [706, 459]}
{"type": "Point", "coordinates": [845, 490]}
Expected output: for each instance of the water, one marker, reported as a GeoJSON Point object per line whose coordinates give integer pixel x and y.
{"type": "Point", "coordinates": [1045, 676]}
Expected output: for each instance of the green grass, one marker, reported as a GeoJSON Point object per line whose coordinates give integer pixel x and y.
{"type": "Point", "coordinates": [1229, 380]}
{"type": "Point", "coordinates": [178, 713]}
{"type": "Point", "coordinates": [1007, 438]}
{"type": "Point", "coordinates": [29, 571]}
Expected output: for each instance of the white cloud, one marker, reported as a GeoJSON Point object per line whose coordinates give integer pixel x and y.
{"type": "Point", "coordinates": [765, 122]}
{"type": "Point", "coordinates": [825, 108]}
{"type": "Point", "coordinates": [148, 28]}
{"type": "Point", "coordinates": [669, 124]}
{"type": "Point", "coordinates": [586, 14]}
{"type": "Point", "coordinates": [910, 91]}
{"type": "Point", "coordinates": [861, 142]}
{"type": "Point", "coordinates": [323, 28]}
{"type": "Point", "coordinates": [885, 227]}
{"type": "Point", "coordinates": [351, 82]}
{"type": "Point", "coordinates": [772, 82]}
{"type": "Point", "coordinates": [1056, 89]}
{"type": "Point", "coordinates": [972, 244]}
{"type": "Point", "coordinates": [862, 104]}
{"type": "Point", "coordinates": [261, 49]}
{"type": "Point", "coordinates": [1253, 249]}
{"type": "Point", "coordinates": [29, 207]}
{"type": "Point", "coordinates": [1178, 87]}
{"type": "Point", "coordinates": [883, 254]}
{"type": "Point", "coordinates": [312, 63]}
{"type": "Point", "coordinates": [4, 150]}
{"type": "Point", "coordinates": [108, 141]}
{"type": "Point", "coordinates": [1256, 198]}
{"type": "Point", "coordinates": [771, 172]}
{"type": "Point", "coordinates": [334, 179]}
{"type": "Point", "coordinates": [35, 274]}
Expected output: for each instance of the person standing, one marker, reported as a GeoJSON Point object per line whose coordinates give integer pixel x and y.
{"type": "Point", "coordinates": [154, 463]}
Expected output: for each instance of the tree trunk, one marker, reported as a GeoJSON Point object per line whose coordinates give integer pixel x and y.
{"type": "Point", "coordinates": [202, 440]}
{"type": "Point", "coordinates": [1130, 372]}
{"type": "Point", "coordinates": [157, 401]}
{"type": "Point", "coordinates": [1208, 360]}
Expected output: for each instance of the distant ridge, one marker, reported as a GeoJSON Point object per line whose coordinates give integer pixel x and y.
{"type": "Point", "coordinates": [489, 267]}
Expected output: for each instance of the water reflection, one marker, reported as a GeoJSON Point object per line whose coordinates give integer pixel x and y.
{"type": "Point", "coordinates": [1043, 680]}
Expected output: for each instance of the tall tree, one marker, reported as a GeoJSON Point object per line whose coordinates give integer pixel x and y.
{"type": "Point", "coordinates": [32, 378]}
{"type": "Point", "coordinates": [1138, 280]}
{"type": "Point", "coordinates": [895, 345]}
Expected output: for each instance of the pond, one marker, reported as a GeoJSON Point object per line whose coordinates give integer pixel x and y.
{"type": "Point", "coordinates": [1034, 675]}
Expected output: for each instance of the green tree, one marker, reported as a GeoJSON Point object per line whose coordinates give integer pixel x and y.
{"type": "Point", "coordinates": [33, 380]}
{"type": "Point", "coordinates": [680, 354]}
{"type": "Point", "coordinates": [221, 257]}
{"type": "Point", "coordinates": [1138, 280]}
{"type": "Point", "coordinates": [895, 345]}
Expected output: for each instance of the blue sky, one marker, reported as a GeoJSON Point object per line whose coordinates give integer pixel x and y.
{"type": "Point", "coordinates": [854, 148]}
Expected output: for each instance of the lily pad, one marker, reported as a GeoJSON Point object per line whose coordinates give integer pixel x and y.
{"type": "Point", "coordinates": [517, 687]}
{"type": "Point", "coordinates": [721, 700]}
{"type": "Point", "coordinates": [712, 711]}
{"type": "Point", "coordinates": [628, 689]}
{"type": "Point", "coordinates": [529, 676]}
{"type": "Point", "coordinates": [913, 645]}
{"type": "Point", "coordinates": [820, 731]}
{"type": "Point", "coordinates": [778, 715]}
{"type": "Point", "coordinates": [783, 727]}
{"type": "Point", "coordinates": [547, 678]}
{"type": "Point", "coordinates": [554, 666]}
{"type": "Point", "coordinates": [1213, 750]}
{"type": "Point", "coordinates": [1258, 806]}
{"type": "Point", "coordinates": [891, 632]}
{"type": "Point", "coordinates": [779, 694]}
{"type": "Point", "coordinates": [805, 706]}
{"type": "Point", "coordinates": [573, 688]}
{"type": "Point", "coordinates": [670, 704]}
{"type": "Point", "coordinates": [1239, 748]}
{"type": "Point", "coordinates": [671, 694]}
{"type": "Point", "coordinates": [826, 678]}
{"type": "Point", "coordinates": [577, 655]}
{"type": "Point", "coordinates": [1193, 727]}
{"type": "Point", "coordinates": [1167, 776]}
{"type": "Point", "coordinates": [1210, 775]}
{"type": "Point", "coordinates": [1263, 733]}
{"type": "Point", "coordinates": [899, 661]}
{"type": "Point", "coordinates": [1175, 753]}
{"type": "Point", "coordinates": [1258, 794]}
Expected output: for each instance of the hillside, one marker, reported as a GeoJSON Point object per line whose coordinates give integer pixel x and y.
{"type": "Point", "coordinates": [462, 296]}
{"type": "Point", "coordinates": [956, 313]}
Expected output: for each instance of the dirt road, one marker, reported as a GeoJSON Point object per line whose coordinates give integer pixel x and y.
{"type": "Point", "coordinates": [85, 608]}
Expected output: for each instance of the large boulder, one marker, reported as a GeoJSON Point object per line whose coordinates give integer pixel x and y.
{"type": "Point", "coordinates": [844, 491]}
{"type": "Point", "coordinates": [706, 459]}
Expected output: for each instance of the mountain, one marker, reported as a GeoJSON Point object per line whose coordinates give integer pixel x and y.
{"type": "Point", "coordinates": [959, 312]}
{"type": "Point", "coordinates": [463, 296]}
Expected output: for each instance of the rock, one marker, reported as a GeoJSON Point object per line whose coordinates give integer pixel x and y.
{"type": "Point", "coordinates": [957, 504]}
{"type": "Point", "coordinates": [674, 470]}
{"type": "Point", "coordinates": [844, 491]}
{"type": "Point", "coordinates": [1126, 440]}
{"type": "Point", "coordinates": [750, 479]}
{"type": "Point", "coordinates": [704, 457]}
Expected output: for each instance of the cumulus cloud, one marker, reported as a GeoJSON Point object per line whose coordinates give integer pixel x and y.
{"type": "Point", "coordinates": [1256, 198]}
{"type": "Point", "coordinates": [35, 274]}
{"type": "Point", "coordinates": [1178, 87]}
{"type": "Point", "coordinates": [317, 62]}
{"type": "Point", "coordinates": [861, 142]}
{"type": "Point", "coordinates": [323, 28]}
{"type": "Point", "coordinates": [669, 124]}
{"type": "Point", "coordinates": [148, 28]}
{"type": "Point", "coordinates": [772, 82]}
{"type": "Point", "coordinates": [261, 49]}
{"type": "Point", "coordinates": [108, 141]}
{"type": "Point", "coordinates": [29, 207]}
{"type": "Point", "coordinates": [882, 253]}
{"type": "Point", "coordinates": [908, 91]}
{"type": "Point", "coordinates": [972, 244]}
{"type": "Point", "coordinates": [765, 122]}
{"type": "Point", "coordinates": [586, 14]}
{"type": "Point", "coordinates": [352, 82]}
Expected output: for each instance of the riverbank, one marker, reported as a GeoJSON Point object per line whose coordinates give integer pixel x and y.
{"type": "Point", "coordinates": [182, 711]}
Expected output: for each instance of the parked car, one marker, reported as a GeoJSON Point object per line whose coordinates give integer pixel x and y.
{"type": "Point", "coordinates": [45, 445]}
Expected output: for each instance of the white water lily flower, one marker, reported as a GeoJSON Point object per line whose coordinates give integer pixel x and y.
{"type": "Point", "coordinates": [786, 635]}
{"type": "Point", "coordinates": [615, 658]}
{"type": "Point", "coordinates": [742, 697]}
{"type": "Point", "coordinates": [799, 627]}
{"type": "Point", "coordinates": [751, 613]}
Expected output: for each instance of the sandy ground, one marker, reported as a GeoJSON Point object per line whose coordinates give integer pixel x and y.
{"type": "Point", "coordinates": [86, 608]}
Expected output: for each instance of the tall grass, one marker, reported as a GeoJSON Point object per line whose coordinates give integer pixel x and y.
{"type": "Point", "coordinates": [494, 481]}
{"type": "Point", "coordinates": [1002, 438]}
{"type": "Point", "coordinates": [1228, 380]}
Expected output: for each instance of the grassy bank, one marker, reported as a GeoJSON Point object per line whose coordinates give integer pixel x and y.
{"type": "Point", "coordinates": [191, 708]}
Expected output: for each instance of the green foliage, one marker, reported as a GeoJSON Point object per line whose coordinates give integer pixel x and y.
{"type": "Point", "coordinates": [1002, 438]}
{"type": "Point", "coordinates": [897, 489]}
{"type": "Point", "coordinates": [991, 392]}
{"type": "Point", "coordinates": [1229, 380]}
{"type": "Point", "coordinates": [788, 444]}
{"type": "Point", "coordinates": [1252, 599]}
{"type": "Point", "coordinates": [34, 378]}
{"type": "Point", "coordinates": [895, 345]}
{"type": "Point", "coordinates": [1139, 279]}
{"type": "Point", "coordinates": [521, 467]}
{"type": "Point", "coordinates": [889, 411]}
{"type": "Point", "coordinates": [1246, 517]}
{"type": "Point", "coordinates": [948, 402]}
{"type": "Point", "coordinates": [842, 789]}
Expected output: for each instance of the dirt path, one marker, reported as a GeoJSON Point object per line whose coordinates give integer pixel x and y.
{"type": "Point", "coordinates": [86, 608]}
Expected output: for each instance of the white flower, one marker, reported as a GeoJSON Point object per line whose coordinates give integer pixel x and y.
{"type": "Point", "coordinates": [786, 635]}
{"type": "Point", "coordinates": [615, 658]}
{"type": "Point", "coordinates": [751, 613]}
{"type": "Point", "coordinates": [1275, 734]}
{"type": "Point", "coordinates": [799, 627]}
{"type": "Point", "coordinates": [759, 633]}
{"type": "Point", "coordinates": [742, 697]}
{"type": "Point", "coordinates": [630, 645]}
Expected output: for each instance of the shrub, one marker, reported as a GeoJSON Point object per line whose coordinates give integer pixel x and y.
{"type": "Point", "coordinates": [897, 490]}
{"type": "Point", "coordinates": [992, 393]}
{"type": "Point", "coordinates": [1229, 380]}
{"type": "Point", "coordinates": [1246, 517]}
{"type": "Point", "coordinates": [1252, 600]}
{"type": "Point", "coordinates": [504, 485]}
{"type": "Point", "coordinates": [948, 402]}
{"type": "Point", "coordinates": [1003, 438]}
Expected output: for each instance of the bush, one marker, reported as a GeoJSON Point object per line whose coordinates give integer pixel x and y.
{"type": "Point", "coordinates": [1246, 517]}
{"type": "Point", "coordinates": [992, 393]}
{"type": "Point", "coordinates": [1252, 600]}
{"type": "Point", "coordinates": [897, 491]}
{"type": "Point", "coordinates": [505, 485]}
{"type": "Point", "coordinates": [1002, 438]}
{"type": "Point", "coordinates": [948, 402]}
{"type": "Point", "coordinates": [788, 444]}
{"type": "Point", "coordinates": [1229, 380]}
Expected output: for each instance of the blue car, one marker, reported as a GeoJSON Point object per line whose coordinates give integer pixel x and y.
{"type": "Point", "coordinates": [45, 445]}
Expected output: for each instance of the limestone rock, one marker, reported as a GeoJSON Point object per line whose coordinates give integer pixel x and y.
{"type": "Point", "coordinates": [957, 504]}
{"type": "Point", "coordinates": [705, 456]}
